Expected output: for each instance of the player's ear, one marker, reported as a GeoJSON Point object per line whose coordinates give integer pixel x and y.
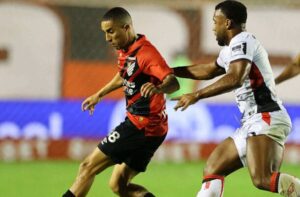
{"type": "Point", "coordinates": [126, 27]}
{"type": "Point", "coordinates": [229, 24]}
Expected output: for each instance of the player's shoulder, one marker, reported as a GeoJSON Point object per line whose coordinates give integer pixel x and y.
{"type": "Point", "coordinates": [243, 37]}
{"type": "Point", "coordinates": [148, 47]}
{"type": "Point", "coordinates": [243, 44]}
{"type": "Point", "coordinates": [149, 51]}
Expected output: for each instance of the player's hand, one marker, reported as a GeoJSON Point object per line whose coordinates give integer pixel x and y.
{"type": "Point", "coordinates": [185, 100]}
{"type": "Point", "coordinates": [148, 89]}
{"type": "Point", "coordinates": [296, 60]}
{"type": "Point", "coordinates": [90, 103]}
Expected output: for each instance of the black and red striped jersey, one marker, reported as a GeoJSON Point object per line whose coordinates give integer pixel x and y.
{"type": "Point", "coordinates": [140, 64]}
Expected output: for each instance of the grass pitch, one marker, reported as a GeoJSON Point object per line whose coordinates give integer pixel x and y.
{"type": "Point", "coordinates": [52, 178]}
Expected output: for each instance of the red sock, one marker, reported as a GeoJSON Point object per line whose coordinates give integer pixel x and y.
{"type": "Point", "coordinates": [274, 182]}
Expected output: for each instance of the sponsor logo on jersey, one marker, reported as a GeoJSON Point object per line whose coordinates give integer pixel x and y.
{"type": "Point", "coordinates": [130, 68]}
{"type": "Point", "coordinates": [239, 49]}
{"type": "Point", "coordinates": [129, 87]}
{"type": "Point", "coordinates": [131, 61]}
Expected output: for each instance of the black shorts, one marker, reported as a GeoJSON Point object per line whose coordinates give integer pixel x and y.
{"type": "Point", "coordinates": [128, 144]}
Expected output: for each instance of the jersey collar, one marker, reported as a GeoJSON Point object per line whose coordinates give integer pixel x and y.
{"type": "Point", "coordinates": [138, 43]}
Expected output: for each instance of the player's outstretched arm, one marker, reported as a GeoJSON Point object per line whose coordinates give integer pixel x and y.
{"type": "Point", "coordinates": [234, 78]}
{"type": "Point", "coordinates": [290, 71]}
{"type": "Point", "coordinates": [90, 102]}
{"type": "Point", "coordinates": [199, 71]}
{"type": "Point", "coordinates": [169, 85]}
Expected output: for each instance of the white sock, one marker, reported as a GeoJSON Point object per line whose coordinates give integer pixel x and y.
{"type": "Point", "coordinates": [212, 186]}
{"type": "Point", "coordinates": [288, 185]}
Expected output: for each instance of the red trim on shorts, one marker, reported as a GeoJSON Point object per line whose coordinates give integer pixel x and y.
{"type": "Point", "coordinates": [274, 182]}
{"type": "Point", "coordinates": [266, 117]}
{"type": "Point", "coordinates": [211, 177]}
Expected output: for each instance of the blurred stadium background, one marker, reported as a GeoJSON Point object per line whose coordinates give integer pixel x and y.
{"type": "Point", "coordinates": [53, 55]}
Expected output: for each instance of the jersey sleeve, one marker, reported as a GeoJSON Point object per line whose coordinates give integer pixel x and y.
{"type": "Point", "coordinates": [220, 62]}
{"type": "Point", "coordinates": [242, 49]}
{"type": "Point", "coordinates": [153, 63]}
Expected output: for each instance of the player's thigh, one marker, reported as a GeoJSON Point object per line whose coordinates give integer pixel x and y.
{"type": "Point", "coordinates": [122, 175]}
{"type": "Point", "coordinates": [265, 142]}
{"type": "Point", "coordinates": [224, 159]}
{"type": "Point", "coordinates": [264, 155]}
{"type": "Point", "coordinates": [96, 161]}
{"type": "Point", "coordinates": [122, 142]}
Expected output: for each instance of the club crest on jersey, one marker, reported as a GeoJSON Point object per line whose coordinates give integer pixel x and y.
{"type": "Point", "coordinates": [239, 49]}
{"type": "Point", "coordinates": [131, 61]}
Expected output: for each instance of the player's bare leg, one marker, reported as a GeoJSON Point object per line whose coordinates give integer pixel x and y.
{"type": "Point", "coordinates": [264, 157]}
{"type": "Point", "coordinates": [120, 183]}
{"type": "Point", "coordinates": [95, 163]}
{"type": "Point", "coordinates": [223, 161]}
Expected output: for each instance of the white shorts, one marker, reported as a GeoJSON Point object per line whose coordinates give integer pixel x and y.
{"type": "Point", "coordinates": [277, 125]}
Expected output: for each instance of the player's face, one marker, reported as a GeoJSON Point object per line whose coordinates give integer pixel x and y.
{"type": "Point", "coordinates": [115, 34]}
{"type": "Point", "coordinates": [219, 28]}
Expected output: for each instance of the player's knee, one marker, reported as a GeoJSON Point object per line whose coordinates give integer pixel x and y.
{"type": "Point", "coordinates": [86, 168]}
{"type": "Point", "coordinates": [116, 186]}
{"type": "Point", "coordinates": [261, 182]}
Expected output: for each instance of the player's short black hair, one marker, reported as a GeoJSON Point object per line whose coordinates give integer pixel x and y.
{"type": "Point", "coordinates": [233, 10]}
{"type": "Point", "coordinates": [117, 14]}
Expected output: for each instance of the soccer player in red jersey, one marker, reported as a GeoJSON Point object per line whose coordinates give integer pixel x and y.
{"type": "Point", "coordinates": [290, 71]}
{"type": "Point", "coordinates": [258, 144]}
{"type": "Point", "coordinates": [145, 77]}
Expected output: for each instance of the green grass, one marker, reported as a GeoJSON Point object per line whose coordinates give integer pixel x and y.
{"type": "Point", "coordinates": [52, 178]}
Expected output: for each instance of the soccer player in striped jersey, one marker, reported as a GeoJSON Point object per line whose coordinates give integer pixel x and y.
{"type": "Point", "coordinates": [145, 77]}
{"type": "Point", "coordinates": [245, 69]}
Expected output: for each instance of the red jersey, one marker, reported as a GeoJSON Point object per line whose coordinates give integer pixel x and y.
{"type": "Point", "coordinates": [140, 64]}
